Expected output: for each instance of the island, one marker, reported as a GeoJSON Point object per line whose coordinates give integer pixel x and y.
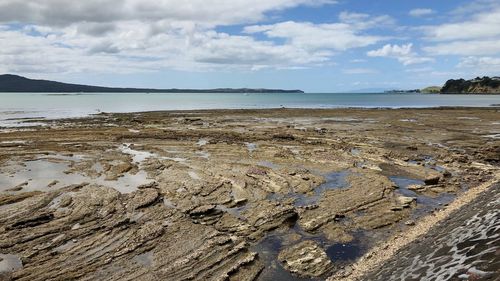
{"type": "Point", "coordinates": [18, 84]}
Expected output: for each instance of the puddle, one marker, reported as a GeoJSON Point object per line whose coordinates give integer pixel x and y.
{"type": "Point", "coordinates": [268, 164]}
{"type": "Point", "coordinates": [203, 154]}
{"type": "Point", "coordinates": [235, 211]}
{"type": "Point", "coordinates": [202, 142]}
{"type": "Point", "coordinates": [45, 174]}
{"type": "Point", "coordinates": [9, 263]}
{"type": "Point", "coordinates": [127, 183]}
{"type": "Point", "coordinates": [137, 155]}
{"type": "Point", "coordinates": [268, 250]}
{"type": "Point", "coordinates": [38, 175]}
{"type": "Point", "coordinates": [344, 251]}
{"type": "Point", "coordinates": [332, 181]}
{"type": "Point", "coordinates": [175, 159]}
{"type": "Point", "coordinates": [424, 203]}
{"type": "Point", "coordinates": [251, 147]}
{"type": "Point", "coordinates": [355, 151]}
{"type": "Point", "coordinates": [408, 120]}
{"type": "Point", "coordinates": [134, 131]}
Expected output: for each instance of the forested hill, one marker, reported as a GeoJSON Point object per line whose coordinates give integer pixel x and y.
{"type": "Point", "coordinates": [17, 84]}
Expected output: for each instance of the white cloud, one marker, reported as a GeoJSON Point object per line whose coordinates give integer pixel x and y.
{"type": "Point", "coordinates": [360, 71]}
{"type": "Point", "coordinates": [466, 48]}
{"type": "Point", "coordinates": [349, 32]}
{"type": "Point", "coordinates": [483, 25]}
{"type": "Point", "coordinates": [132, 50]}
{"type": "Point", "coordinates": [206, 12]}
{"type": "Point", "coordinates": [391, 51]}
{"type": "Point", "coordinates": [403, 54]}
{"type": "Point", "coordinates": [421, 12]}
{"type": "Point", "coordinates": [478, 35]}
{"type": "Point", "coordinates": [483, 65]}
{"type": "Point", "coordinates": [147, 35]}
{"type": "Point", "coordinates": [473, 35]}
{"type": "Point", "coordinates": [364, 21]}
{"type": "Point", "coordinates": [334, 36]}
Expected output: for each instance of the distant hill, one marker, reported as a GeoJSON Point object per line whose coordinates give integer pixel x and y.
{"type": "Point", "coordinates": [484, 85]}
{"type": "Point", "coordinates": [431, 90]}
{"type": "Point", "coordinates": [17, 84]}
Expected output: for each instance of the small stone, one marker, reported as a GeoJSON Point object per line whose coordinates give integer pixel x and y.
{"type": "Point", "coordinates": [431, 180]}
{"type": "Point", "coordinates": [410, 222]}
{"type": "Point", "coordinates": [53, 183]}
{"type": "Point", "coordinates": [405, 200]}
{"type": "Point", "coordinates": [415, 187]}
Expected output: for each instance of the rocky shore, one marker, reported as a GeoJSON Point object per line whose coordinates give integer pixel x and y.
{"type": "Point", "coordinates": [479, 85]}
{"type": "Point", "coordinates": [230, 194]}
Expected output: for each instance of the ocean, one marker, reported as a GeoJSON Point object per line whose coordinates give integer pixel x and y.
{"type": "Point", "coordinates": [16, 106]}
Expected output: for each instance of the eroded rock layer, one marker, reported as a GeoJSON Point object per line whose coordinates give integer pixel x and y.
{"type": "Point", "coordinates": [228, 195]}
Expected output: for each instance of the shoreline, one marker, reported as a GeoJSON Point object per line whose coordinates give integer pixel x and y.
{"type": "Point", "coordinates": [380, 254]}
{"type": "Point", "coordinates": [42, 119]}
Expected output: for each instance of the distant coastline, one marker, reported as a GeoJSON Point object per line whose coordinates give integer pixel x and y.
{"type": "Point", "coordinates": [17, 84]}
{"type": "Point", "coordinates": [478, 85]}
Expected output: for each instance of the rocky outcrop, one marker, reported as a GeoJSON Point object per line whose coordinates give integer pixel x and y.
{"type": "Point", "coordinates": [305, 259]}
{"type": "Point", "coordinates": [484, 85]}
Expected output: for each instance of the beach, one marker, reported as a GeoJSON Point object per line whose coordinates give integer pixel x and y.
{"type": "Point", "coordinates": [235, 194]}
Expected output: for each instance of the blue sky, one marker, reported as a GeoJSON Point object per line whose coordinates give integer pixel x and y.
{"type": "Point", "coordinates": [314, 45]}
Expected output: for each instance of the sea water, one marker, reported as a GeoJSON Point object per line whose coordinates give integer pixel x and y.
{"type": "Point", "coordinates": [14, 106]}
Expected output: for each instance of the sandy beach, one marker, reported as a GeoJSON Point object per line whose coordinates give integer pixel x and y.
{"type": "Point", "coordinates": [272, 194]}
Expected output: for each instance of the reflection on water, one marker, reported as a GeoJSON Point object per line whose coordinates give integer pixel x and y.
{"type": "Point", "coordinates": [53, 173]}
{"type": "Point", "coordinates": [332, 181]}
{"type": "Point", "coordinates": [424, 203]}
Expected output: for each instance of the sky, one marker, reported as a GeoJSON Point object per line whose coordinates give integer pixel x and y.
{"type": "Point", "coordinates": [313, 45]}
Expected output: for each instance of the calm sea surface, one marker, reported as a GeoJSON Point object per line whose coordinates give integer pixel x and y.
{"type": "Point", "coordinates": [42, 105]}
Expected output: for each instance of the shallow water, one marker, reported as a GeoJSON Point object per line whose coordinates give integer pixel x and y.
{"type": "Point", "coordinates": [9, 263]}
{"type": "Point", "coordinates": [268, 250]}
{"type": "Point", "coordinates": [45, 105]}
{"type": "Point", "coordinates": [38, 175]}
{"type": "Point", "coordinates": [269, 247]}
{"type": "Point", "coordinates": [51, 173]}
{"type": "Point", "coordinates": [333, 180]}
{"type": "Point", "coordinates": [424, 203]}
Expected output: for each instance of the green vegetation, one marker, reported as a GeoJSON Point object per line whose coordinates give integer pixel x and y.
{"type": "Point", "coordinates": [431, 90]}
{"type": "Point", "coordinates": [19, 84]}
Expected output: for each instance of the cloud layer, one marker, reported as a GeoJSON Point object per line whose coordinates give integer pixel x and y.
{"type": "Point", "coordinates": [129, 36]}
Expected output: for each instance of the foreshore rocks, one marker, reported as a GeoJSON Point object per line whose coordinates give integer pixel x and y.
{"type": "Point", "coordinates": [305, 259]}
{"type": "Point", "coordinates": [227, 195]}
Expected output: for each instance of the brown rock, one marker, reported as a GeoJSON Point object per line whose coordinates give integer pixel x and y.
{"type": "Point", "coordinates": [306, 259]}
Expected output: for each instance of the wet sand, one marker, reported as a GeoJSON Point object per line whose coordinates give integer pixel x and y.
{"type": "Point", "coordinates": [231, 194]}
